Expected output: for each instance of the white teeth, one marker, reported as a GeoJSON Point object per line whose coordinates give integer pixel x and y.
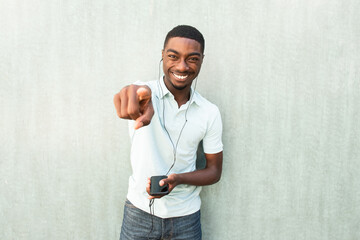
{"type": "Point", "coordinates": [180, 77]}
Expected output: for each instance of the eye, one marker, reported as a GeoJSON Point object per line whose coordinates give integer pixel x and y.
{"type": "Point", "coordinates": [172, 56]}
{"type": "Point", "coordinates": [193, 59]}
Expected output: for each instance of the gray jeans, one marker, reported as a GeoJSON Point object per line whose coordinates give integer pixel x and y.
{"type": "Point", "coordinates": [140, 225]}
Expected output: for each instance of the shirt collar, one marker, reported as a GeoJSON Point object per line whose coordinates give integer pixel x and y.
{"type": "Point", "coordinates": [163, 91]}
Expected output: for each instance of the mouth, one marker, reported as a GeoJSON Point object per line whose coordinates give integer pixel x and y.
{"type": "Point", "coordinates": [180, 77]}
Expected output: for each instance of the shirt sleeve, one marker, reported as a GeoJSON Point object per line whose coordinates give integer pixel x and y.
{"type": "Point", "coordinates": [212, 141]}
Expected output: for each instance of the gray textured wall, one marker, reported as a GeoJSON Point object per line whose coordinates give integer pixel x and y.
{"type": "Point", "coordinates": [285, 75]}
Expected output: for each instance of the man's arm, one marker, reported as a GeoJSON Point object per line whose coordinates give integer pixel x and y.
{"type": "Point", "coordinates": [207, 176]}
{"type": "Point", "coordinates": [134, 102]}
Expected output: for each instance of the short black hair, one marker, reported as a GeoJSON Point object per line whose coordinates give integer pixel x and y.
{"type": "Point", "coordinates": [186, 31]}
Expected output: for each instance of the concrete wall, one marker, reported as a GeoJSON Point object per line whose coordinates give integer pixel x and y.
{"type": "Point", "coordinates": [285, 74]}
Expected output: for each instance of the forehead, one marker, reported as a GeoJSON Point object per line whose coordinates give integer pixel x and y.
{"type": "Point", "coordinates": [183, 45]}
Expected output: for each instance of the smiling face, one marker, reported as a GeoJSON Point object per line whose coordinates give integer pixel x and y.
{"type": "Point", "coordinates": [182, 59]}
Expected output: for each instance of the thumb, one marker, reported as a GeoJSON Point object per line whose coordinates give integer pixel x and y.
{"type": "Point", "coordinates": [144, 119]}
{"type": "Point", "coordinates": [168, 180]}
{"type": "Point", "coordinates": [162, 182]}
{"type": "Point", "coordinates": [146, 116]}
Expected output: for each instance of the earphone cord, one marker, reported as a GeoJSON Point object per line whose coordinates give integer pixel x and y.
{"type": "Point", "coordinates": [177, 142]}
{"type": "Point", "coordinates": [163, 117]}
{"type": "Point", "coordinates": [151, 202]}
{"type": "Point", "coordinates": [151, 206]}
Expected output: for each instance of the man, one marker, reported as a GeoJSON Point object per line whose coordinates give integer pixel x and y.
{"type": "Point", "coordinates": [170, 120]}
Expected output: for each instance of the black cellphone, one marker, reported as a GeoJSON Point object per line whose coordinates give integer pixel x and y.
{"type": "Point", "coordinates": [156, 189]}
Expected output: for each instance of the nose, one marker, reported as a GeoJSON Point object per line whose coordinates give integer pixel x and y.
{"type": "Point", "coordinates": [182, 66]}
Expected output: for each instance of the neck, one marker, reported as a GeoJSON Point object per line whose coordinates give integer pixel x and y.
{"type": "Point", "coordinates": [182, 98]}
{"type": "Point", "coordinates": [181, 95]}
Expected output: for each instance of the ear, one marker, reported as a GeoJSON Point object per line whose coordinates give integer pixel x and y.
{"type": "Point", "coordinates": [162, 54]}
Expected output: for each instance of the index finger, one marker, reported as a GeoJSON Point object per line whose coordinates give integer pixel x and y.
{"type": "Point", "coordinates": [143, 93]}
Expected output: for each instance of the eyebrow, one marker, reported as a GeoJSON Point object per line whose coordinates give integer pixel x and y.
{"type": "Point", "coordinates": [190, 54]}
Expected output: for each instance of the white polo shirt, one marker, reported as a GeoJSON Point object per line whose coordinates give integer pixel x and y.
{"type": "Point", "coordinates": [152, 152]}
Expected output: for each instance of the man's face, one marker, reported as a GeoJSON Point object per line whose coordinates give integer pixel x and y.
{"type": "Point", "coordinates": [182, 59]}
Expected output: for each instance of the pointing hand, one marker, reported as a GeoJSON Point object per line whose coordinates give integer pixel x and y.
{"type": "Point", "coordinates": [134, 102]}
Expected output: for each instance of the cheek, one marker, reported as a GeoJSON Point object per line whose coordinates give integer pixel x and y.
{"type": "Point", "coordinates": [196, 67]}
{"type": "Point", "coordinates": [167, 66]}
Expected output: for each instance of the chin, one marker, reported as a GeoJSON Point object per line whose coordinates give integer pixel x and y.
{"type": "Point", "coordinates": [179, 87]}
